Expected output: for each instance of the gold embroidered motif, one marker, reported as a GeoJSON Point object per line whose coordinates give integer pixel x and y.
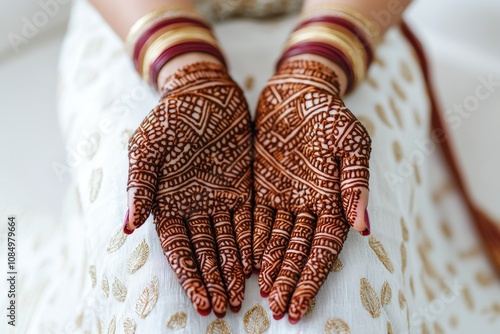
{"type": "Point", "coordinates": [105, 286]}
{"type": "Point", "coordinates": [451, 269]}
{"type": "Point", "coordinates": [406, 72]}
{"type": "Point", "coordinates": [129, 326]}
{"type": "Point", "coordinates": [177, 321]}
{"type": "Point", "coordinates": [379, 110]}
{"type": "Point", "coordinates": [372, 82]}
{"type": "Point", "coordinates": [138, 257]}
{"type": "Point", "coordinates": [112, 326]}
{"type": "Point", "coordinates": [79, 320]}
{"type": "Point", "coordinates": [396, 112]}
{"type": "Point", "coordinates": [117, 240]}
{"type": "Point", "coordinates": [95, 184]}
{"type": "Point", "coordinates": [386, 294]}
{"type": "Point", "coordinates": [416, 116]}
{"type": "Point", "coordinates": [100, 324]}
{"type": "Point", "coordinates": [368, 124]}
{"type": "Point", "coordinates": [218, 326]}
{"type": "Point", "coordinates": [404, 230]}
{"type": "Point", "coordinates": [311, 306]}
{"type": "Point", "coordinates": [398, 90]}
{"type": "Point", "coordinates": [378, 61]}
{"type": "Point", "coordinates": [389, 328]}
{"type": "Point", "coordinates": [119, 290]}
{"type": "Point", "coordinates": [453, 321]}
{"type": "Point", "coordinates": [494, 310]}
{"type": "Point", "coordinates": [484, 279]}
{"type": "Point", "coordinates": [425, 329]}
{"type": "Point", "coordinates": [416, 169]}
{"type": "Point", "coordinates": [428, 291]}
{"type": "Point", "coordinates": [382, 255]}
{"type": "Point", "coordinates": [438, 329]}
{"type": "Point", "coordinates": [148, 298]}
{"type": "Point", "coordinates": [468, 298]}
{"type": "Point", "coordinates": [92, 274]}
{"type": "Point", "coordinates": [369, 298]}
{"type": "Point", "coordinates": [337, 265]}
{"type": "Point", "coordinates": [397, 150]}
{"type": "Point", "coordinates": [403, 258]}
{"type": "Point", "coordinates": [255, 320]}
{"type": "Point", "coordinates": [336, 326]}
{"type": "Point", "coordinates": [446, 230]}
{"type": "Point", "coordinates": [249, 82]}
{"type": "Point", "coordinates": [401, 299]}
{"type": "Point", "coordinates": [471, 252]}
{"type": "Point", "coordinates": [412, 286]}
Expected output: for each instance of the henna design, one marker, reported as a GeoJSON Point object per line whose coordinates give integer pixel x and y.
{"type": "Point", "coordinates": [189, 160]}
{"type": "Point", "coordinates": [311, 162]}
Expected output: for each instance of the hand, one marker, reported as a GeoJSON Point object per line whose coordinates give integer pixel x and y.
{"type": "Point", "coordinates": [311, 179]}
{"type": "Point", "coordinates": [190, 164]}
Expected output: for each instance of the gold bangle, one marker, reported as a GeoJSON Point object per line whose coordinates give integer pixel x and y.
{"type": "Point", "coordinates": [349, 13]}
{"type": "Point", "coordinates": [358, 63]}
{"type": "Point", "coordinates": [164, 42]}
{"type": "Point", "coordinates": [151, 18]}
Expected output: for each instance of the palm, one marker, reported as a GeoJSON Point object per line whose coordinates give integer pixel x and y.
{"type": "Point", "coordinates": [308, 148]}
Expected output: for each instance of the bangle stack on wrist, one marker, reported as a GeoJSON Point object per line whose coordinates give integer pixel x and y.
{"type": "Point", "coordinates": [166, 33]}
{"type": "Point", "coordinates": [339, 34]}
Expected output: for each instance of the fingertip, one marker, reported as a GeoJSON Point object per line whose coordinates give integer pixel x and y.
{"type": "Point", "coordinates": [126, 229]}
{"type": "Point", "coordinates": [366, 231]}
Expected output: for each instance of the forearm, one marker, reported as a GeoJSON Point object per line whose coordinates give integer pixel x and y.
{"type": "Point", "coordinates": [381, 13]}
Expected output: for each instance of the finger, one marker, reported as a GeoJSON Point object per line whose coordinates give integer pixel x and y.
{"type": "Point", "coordinates": [206, 255]}
{"type": "Point", "coordinates": [146, 148]}
{"type": "Point", "coordinates": [329, 238]}
{"type": "Point", "coordinates": [229, 260]}
{"type": "Point", "coordinates": [263, 222]}
{"type": "Point", "coordinates": [294, 261]}
{"type": "Point", "coordinates": [275, 250]}
{"type": "Point", "coordinates": [354, 176]}
{"type": "Point", "coordinates": [177, 247]}
{"type": "Point", "coordinates": [242, 219]}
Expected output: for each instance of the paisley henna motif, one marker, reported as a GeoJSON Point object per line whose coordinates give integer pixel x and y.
{"type": "Point", "coordinates": [311, 172]}
{"type": "Point", "coordinates": [190, 163]}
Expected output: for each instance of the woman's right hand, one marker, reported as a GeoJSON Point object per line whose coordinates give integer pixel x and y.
{"type": "Point", "coordinates": [190, 164]}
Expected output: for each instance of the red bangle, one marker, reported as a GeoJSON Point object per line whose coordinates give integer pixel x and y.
{"type": "Point", "coordinates": [324, 50]}
{"type": "Point", "coordinates": [178, 49]}
{"type": "Point", "coordinates": [162, 24]}
{"type": "Point", "coordinates": [345, 24]}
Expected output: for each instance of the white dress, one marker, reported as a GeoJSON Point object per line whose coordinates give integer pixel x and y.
{"type": "Point", "coordinates": [420, 271]}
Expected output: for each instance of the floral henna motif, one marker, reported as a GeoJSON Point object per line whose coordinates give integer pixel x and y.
{"type": "Point", "coordinates": [311, 176]}
{"type": "Point", "coordinates": [190, 163]}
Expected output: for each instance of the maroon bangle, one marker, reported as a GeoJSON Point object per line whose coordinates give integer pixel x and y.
{"type": "Point", "coordinates": [162, 24]}
{"type": "Point", "coordinates": [324, 50]}
{"type": "Point", "coordinates": [345, 24]}
{"type": "Point", "coordinates": [178, 49]}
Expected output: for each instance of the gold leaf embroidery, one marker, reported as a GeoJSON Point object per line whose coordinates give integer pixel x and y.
{"type": "Point", "coordinates": [177, 321]}
{"type": "Point", "coordinates": [95, 184]}
{"type": "Point", "coordinates": [389, 328]}
{"type": "Point", "coordinates": [417, 118]}
{"type": "Point", "coordinates": [396, 112]}
{"type": "Point", "coordinates": [92, 274]}
{"type": "Point", "coordinates": [368, 124]}
{"type": "Point", "coordinates": [446, 230]}
{"type": "Point", "coordinates": [379, 249]}
{"type": "Point", "coordinates": [129, 326]}
{"type": "Point", "coordinates": [337, 265]}
{"type": "Point", "coordinates": [412, 286]}
{"type": "Point", "coordinates": [399, 91]}
{"type": "Point", "coordinates": [468, 298]}
{"type": "Point", "coordinates": [138, 257]}
{"type": "Point", "coordinates": [117, 240]}
{"type": "Point", "coordinates": [404, 230]}
{"type": "Point", "coordinates": [311, 306]}
{"type": "Point", "coordinates": [379, 110]}
{"type": "Point", "coordinates": [451, 269]}
{"type": "Point", "coordinates": [79, 320]}
{"type": "Point", "coordinates": [397, 150]}
{"type": "Point", "coordinates": [418, 179]}
{"type": "Point", "coordinates": [372, 82]}
{"type": "Point", "coordinates": [369, 298]}
{"type": "Point", "coordinates": [438, 329]}
{"type": "Point", "coordinates": [403, 258]}
{"type": "Point", "coordinates": [484, 279]}
{"type": "Point", "coordinates": [336, 326]}
{"type": "Point", "coordinates": [119, 290]}
{"type": "Point", "coordinates": [425, 329]}
{"type": "Point", "coordinates": [401, 299]}
{"type": "Point", "coordinates": [406, 72]}
{"type": "Point", "coordinates": [428, 291]}
{"type": "Point", "coordinates": [378, 61]}
{"type": "Point", "coordinates": [112, 326]}
{"type": "Point", "coordinates": [255, 320]}
{"type": "Point", "coordinates": [386, 294]}
{"type": "Point", "coordinates": [453, 321]}
{"type": "Point", "coordinates": [471, 252]}
{"type": "Point", "coordinates": [218, 326]}
{"type": "Point", "coordinates": [148, 298]}
{"type": "Point", "coordinates": [249, 82]}
{"type": "Point", "coordinates": [105, 286]}
{"type": "Point", "coordinates": [100, 324]}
